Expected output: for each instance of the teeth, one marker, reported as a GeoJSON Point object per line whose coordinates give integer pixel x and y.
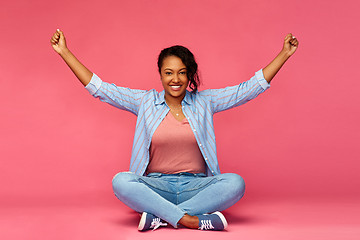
{"type": "Point", "coordinates": [175, 86]}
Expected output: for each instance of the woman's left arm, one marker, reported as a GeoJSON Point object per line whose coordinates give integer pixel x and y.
{"type": "Point", "coordinates": [289, 48]}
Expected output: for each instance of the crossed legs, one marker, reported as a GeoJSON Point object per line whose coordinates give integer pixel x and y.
{"type": "Point", "coordinates": [177, 198]}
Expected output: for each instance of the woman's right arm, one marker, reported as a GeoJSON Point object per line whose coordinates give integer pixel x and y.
{"type": "Point", "coordinates": [58, 43]}
{"type": "Point", "coordinates": [120, 97]}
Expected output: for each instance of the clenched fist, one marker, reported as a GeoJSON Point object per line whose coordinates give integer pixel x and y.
{"type": "Point", "coordinates": [58, 42]}
{"type": "Point", "coordinates": [290, 44]}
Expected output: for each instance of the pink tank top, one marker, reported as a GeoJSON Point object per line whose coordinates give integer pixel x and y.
{"type": "Point", "coordinates": [174, 148]}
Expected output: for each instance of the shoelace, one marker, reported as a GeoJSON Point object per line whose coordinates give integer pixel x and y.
{"type": "Point", "coordinates": [156, 223]}
{"type": "Point", "coordinates": [206, 225]}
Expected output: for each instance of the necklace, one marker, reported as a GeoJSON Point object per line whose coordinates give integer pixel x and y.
{"type": "Point", "coordinates": [175, 110]}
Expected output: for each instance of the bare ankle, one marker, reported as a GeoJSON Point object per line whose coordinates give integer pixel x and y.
{"type": "Point", "coordinates": [189, 221]}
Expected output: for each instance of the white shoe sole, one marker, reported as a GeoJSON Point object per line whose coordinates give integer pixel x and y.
{"type": "Point", "coordinates": [223, 219]}
{"type": "Point", "coordinates": [142, 221]}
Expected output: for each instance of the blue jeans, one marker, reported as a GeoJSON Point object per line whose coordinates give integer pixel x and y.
{"type": "Point", "coordinates": [170, 196]}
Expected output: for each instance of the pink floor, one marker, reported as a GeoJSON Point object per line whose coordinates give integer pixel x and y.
{"type": "Point", "coordinates": [249, 219]}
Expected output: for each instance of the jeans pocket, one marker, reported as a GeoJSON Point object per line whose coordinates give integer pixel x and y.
{"type": "Point", "coordinates": [156, 183]}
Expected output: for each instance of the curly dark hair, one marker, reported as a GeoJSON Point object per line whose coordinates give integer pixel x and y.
{"type": "Point", "coordinates": [189, 61]}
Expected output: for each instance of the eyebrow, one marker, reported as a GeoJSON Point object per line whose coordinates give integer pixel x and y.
{"type": "Point", "coordinates": [172, 70]}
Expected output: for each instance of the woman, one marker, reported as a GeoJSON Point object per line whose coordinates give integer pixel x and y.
{"type": "Point", "coordinates": [174, 173]}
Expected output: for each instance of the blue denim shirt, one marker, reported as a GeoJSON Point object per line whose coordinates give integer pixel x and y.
{"type": "Point", "coordinates": [150, 108]}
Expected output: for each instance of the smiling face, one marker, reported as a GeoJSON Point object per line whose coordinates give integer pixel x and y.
{"type": "Point", "coordinates": [174, 78]}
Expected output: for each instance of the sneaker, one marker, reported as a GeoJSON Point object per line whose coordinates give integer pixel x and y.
{"type": "Point", "coordinates": [214, 221]}
{"type": "Point", "coordinates": [149, 221]}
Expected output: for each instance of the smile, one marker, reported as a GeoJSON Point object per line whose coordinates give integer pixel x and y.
{"type": "Point", "coordinates": [177, 87]}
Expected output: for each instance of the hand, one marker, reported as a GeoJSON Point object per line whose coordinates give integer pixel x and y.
{"type": "Point", "coordinates": [58, 41]}
{"type": "Point", "coordinates": [290, 45]}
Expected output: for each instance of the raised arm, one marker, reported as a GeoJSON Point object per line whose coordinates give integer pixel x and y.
{"type": "Point", "coordinates": [289, 48]}
{"type": "Point", "coordinates": [58, 42]}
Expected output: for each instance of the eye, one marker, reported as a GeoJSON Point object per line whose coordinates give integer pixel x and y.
{"type": "Point", "coordinates": [168, 73]}
{"type": "Point", "coordinates": [183, 73]}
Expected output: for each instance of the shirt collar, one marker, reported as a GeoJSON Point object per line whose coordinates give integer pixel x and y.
{"type": "Point", "coordinates": [161, 98]}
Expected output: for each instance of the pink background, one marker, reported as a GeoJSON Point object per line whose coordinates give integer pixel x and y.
{"type": "Point", "coordinates": [298, 140]}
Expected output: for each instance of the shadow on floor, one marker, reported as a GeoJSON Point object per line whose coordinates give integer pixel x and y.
{"type": "Point", "coordinates": [240, 218]}
{"type": "Point", "coordinates": [128, 218]}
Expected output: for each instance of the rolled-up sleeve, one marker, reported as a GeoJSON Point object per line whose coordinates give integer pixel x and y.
{"type": "Point", "coordinates": [94, 84]}
{"type": "Point", "coordinates": [261, 79]}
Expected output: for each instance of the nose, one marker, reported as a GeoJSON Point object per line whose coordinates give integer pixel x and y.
{"type": "Point", "coordinates": [176, 78]}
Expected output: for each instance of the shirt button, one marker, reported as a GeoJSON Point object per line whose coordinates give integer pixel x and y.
{"type": "Point", "coordinates": [194, 130]}
{"type": "Point", "coordinates": [200, 145]}
{"type": "Point", "coordinates": [205, 158]}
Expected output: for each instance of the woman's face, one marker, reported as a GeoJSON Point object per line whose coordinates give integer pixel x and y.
{"type": "Point", "coordinates": [174, 78]}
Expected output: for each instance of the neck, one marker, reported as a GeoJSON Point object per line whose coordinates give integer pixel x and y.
{"type": "Point", "coordinates": [173, 101]}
